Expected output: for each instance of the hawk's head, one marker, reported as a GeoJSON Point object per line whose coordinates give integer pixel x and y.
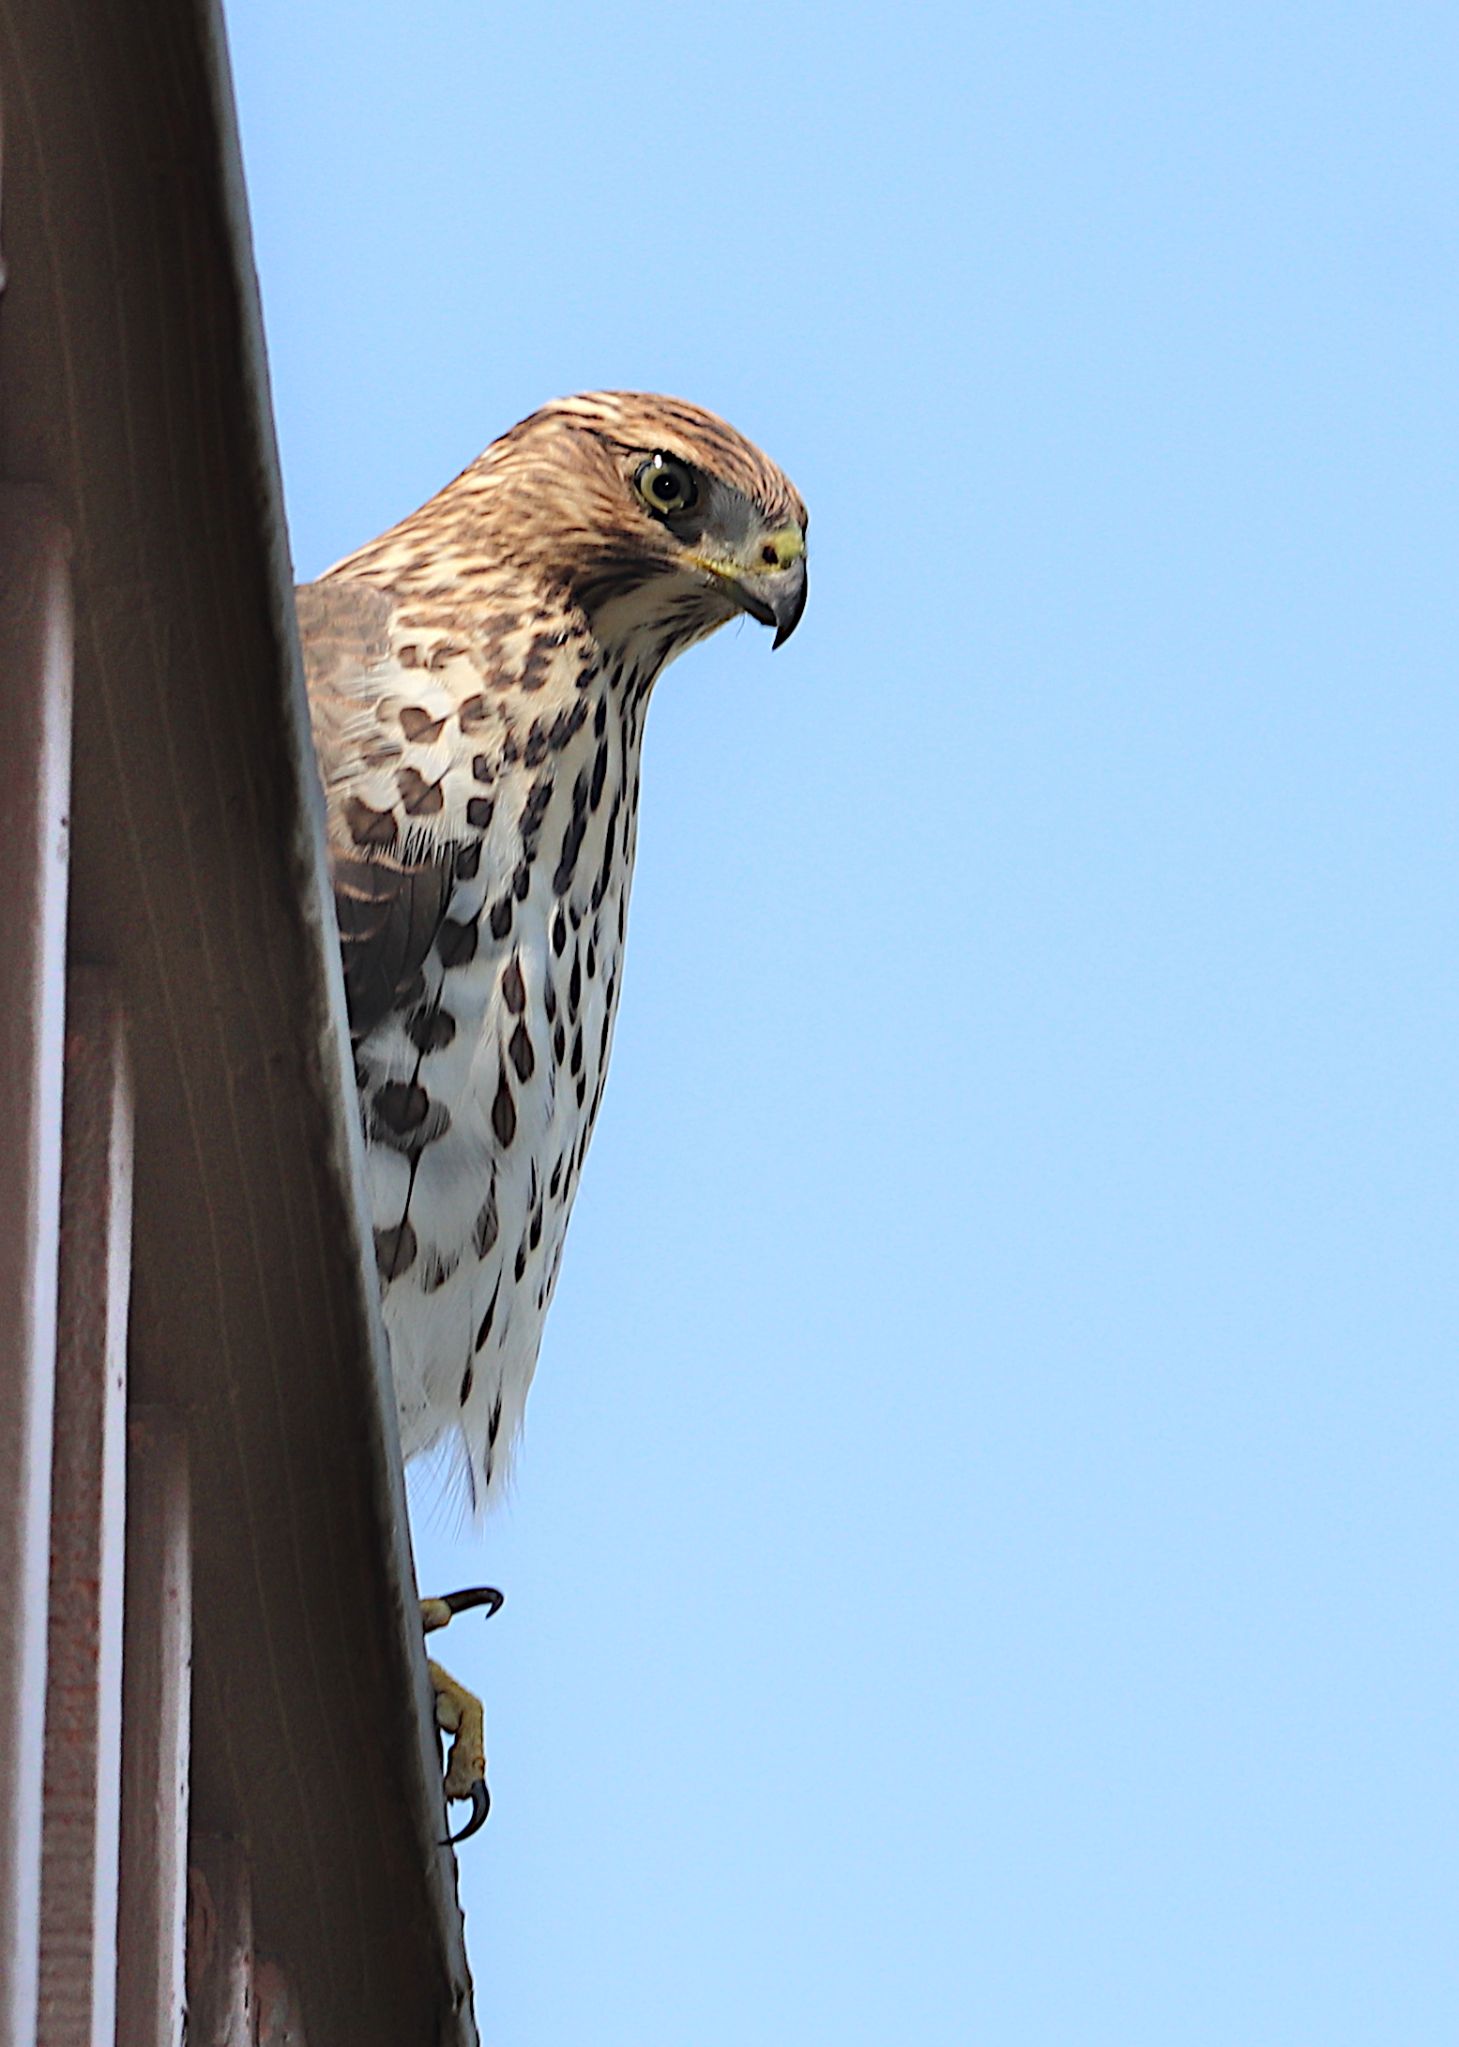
{"type": "Point", "coordinates": [660, 519]}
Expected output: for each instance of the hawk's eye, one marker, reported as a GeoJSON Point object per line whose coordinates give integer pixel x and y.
{"type": "Point", "coordinates": [666, 486]}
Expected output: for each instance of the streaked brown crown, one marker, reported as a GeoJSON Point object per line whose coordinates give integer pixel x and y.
{"type": "Point", "coordinates": [631, 423]}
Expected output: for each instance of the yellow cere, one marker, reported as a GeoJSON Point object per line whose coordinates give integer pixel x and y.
{"type": "Point", "coordinates": [789, 546]}
{"type": "Point", "coordinates": [766, 554]}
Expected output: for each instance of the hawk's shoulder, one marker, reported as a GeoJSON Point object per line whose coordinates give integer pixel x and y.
{"type": "Point", "coordinates": [439, 718]}
{"type": "Point", "coordinates": [392, 883]}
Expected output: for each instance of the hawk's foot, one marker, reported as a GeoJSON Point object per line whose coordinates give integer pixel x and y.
{"type": "Point", "coordinates": [459, 1713]}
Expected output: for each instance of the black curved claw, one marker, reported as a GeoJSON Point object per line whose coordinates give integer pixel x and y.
{"type": "Point", "coordinates": [480, 1807]}
{"type": "Point", "coordinates": [475, 1595]}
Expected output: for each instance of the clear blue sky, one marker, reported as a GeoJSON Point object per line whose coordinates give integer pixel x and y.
{"type": "Point", "coordinates": [983, 1565]}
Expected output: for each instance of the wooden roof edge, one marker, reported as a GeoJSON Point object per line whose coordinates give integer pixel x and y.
{"type": "Point", "coordinates": [136, 393]}
{"type": "Point", "coordinates": [334, 1072]}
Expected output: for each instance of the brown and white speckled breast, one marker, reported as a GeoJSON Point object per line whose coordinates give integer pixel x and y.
{"type": "Point", "coordinates": [480, 1086]}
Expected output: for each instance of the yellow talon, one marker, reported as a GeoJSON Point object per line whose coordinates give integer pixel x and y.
{"type": "Point", "coordinates": [459, 1713]}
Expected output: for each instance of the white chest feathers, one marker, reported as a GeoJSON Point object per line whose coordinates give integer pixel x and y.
{"type": "Point", "coordinates": [480, 1094]}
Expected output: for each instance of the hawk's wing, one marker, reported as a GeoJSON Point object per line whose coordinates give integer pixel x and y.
{"type": "Point", "coordinates": [391, 889]}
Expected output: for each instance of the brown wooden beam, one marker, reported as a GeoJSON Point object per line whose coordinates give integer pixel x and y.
{"type": "Point", "coordinates": [88, 1509]}
{"type": "Point", "coordinates": [156, 1699]}
{"type": "Point", "coordinates": [35, 713]}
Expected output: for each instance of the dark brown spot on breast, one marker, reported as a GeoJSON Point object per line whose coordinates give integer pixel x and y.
{"type": "Point", "coordinates": [572, 838]}
{"type": "Point", "coordinates": [481, 768]}
{"type": "Point", "coordinates": [534, 810]}
{"type": "Point", "coordinates": [504, 1114]}
{"type": "Point", "coordinates": [559, 934]}
{"type": "Point", "coordinates": [456, 943]}
{"type": "Point", "coordinates": [419, 725]}
{"type": "Point", "coordinates": [404, 1117]}
{"type": "Point", "coordinates": [437, 1271]}
{"type": "Point", "coordinates": [471, 713]}
{"type": "Point", "coordinates": [401, 1105]}
{"type": "Point", "coordinates": [468, 860]}
{"type": "Point", "coordinates": [467, 1380]}
{"type": "Point", "coordinates": [523, 1057]}
{"type": "Point", "coordinates": [538, 664]}
{"type": "Point", "coordinates": [483, 1235]}
{"type": "Point", "coordinates": [610, 847]}
{"type": "Point", "coordinates": [395, 1251]}
{"type": "Point", "coordinates": [514, 988]}
{"type": "Point", "coordinates": [369, 827]}
{"type": "Point", "coordinates": [566, 725]}
{"type": "Point", "coordinates": [420, 797]}
{"type": "Point", "coordinates": [483, 1329]}
{"type": "Point", "coordinates": [501, 917]}
{"type": "Point", "coordinates": [431, 1030]}
{"type": "Point", "coordinates": [479, 811]}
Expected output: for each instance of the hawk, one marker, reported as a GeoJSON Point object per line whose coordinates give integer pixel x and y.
{"type": "Point", "coordinates": [478, 680]}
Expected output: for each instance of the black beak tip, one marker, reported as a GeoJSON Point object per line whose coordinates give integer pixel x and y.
{"type": "Point", "coordinates": [789, 614]}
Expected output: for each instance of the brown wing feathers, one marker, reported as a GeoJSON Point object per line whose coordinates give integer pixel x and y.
{"type": "Point", "coordinates": [389, 907]}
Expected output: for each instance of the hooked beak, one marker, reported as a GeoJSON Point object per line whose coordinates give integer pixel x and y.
{"type": "Point", "coordinates": [775, 597]}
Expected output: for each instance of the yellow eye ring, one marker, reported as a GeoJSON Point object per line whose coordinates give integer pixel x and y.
{"type": "Point", "coordinates": [666, 486]}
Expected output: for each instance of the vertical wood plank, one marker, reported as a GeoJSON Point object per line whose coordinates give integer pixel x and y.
{"type": "Point", "coordinates": [35, 714]}
{"type": "Point", "coordinates": [156, 1689]}
{"type": "Point", "coordinates": [220, 2004]}
{"type": "Point", "coordinates": [88, 1504]}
